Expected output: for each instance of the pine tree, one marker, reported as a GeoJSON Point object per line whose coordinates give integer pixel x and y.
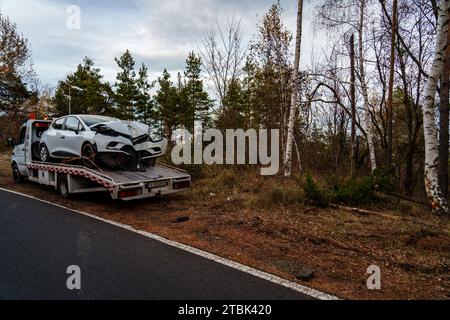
{"type": "Point", "coordinates": [126, 87]}
{"type": "Point", "coordinates": [235, 110]}
{"type": "Point", "coordinates": [87, 93]}
{"type": "Point", "coordinates": [270, 63]}
{"type": "Point", "coordinates": [197, 103]}
{"type": "Point", "coordinates": [144, 102]}
{"type": "Point", "coordinates": [167, 104]}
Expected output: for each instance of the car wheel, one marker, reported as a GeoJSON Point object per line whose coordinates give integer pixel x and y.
{"type": "Point", "coordinates": [17, 177]}
{"type": "Point", "coordinates": [44, 153]}
{"type": "Point", "coordinates": [63, 187]}
{"type": "Point", "coordinates": [129, 162]}
{"type": "Point", "coordinates": [88, 155]}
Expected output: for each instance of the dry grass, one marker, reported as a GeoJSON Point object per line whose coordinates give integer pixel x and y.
{"type": "Point", "coordinates": [263, 222]}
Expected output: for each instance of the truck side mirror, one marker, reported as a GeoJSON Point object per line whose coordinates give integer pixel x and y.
{"type": "Point", "coordinates": [11, 142]}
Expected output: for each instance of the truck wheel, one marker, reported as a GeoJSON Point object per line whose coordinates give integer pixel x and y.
{"type": "Point", "coordinates": [44, 153]}
{"type": "Point", "coordinates": [63, 187]}
{"type": "Point", "coordinates": [17, 177]}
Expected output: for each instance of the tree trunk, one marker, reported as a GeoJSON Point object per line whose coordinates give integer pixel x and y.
{"type": "Point", "coordinates": [391, 86]}
{"type": "Point", "coordinates": [369, 125]}
{"type": "Point", "coordinates": [295, 86]}
{"type": "Point", "coordinates": [444, 122]}
{"type": "Point", "coordinates": [438, 202]}
{"type": "Point", "coordinates": [353, 103]}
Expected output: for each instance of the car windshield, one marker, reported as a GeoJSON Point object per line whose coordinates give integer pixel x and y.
{"type": "Point", "coordinates": [93, 120]}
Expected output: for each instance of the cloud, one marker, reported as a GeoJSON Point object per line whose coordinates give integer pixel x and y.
{"type": "Point", "coordinates": [159, 33]}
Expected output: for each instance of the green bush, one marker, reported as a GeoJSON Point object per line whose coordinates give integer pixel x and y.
{"type": "Point", "coordinates": [363, 190]}
{"type": "Point", "coordinates": [352, 191]}
{"type": "Point", "coordinates": [313, 193]}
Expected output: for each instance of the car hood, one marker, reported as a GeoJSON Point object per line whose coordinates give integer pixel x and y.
{"type": "Point", "coordinates": [129, 128]}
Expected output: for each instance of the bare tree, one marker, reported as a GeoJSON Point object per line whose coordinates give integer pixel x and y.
{"type": "Point", "coordinates": [353, 104]}
{"type": "Point", "coordinates": [350, 15]}
{"type": "Point", "coordinates": [15, 71]}
{"type": "Point", "coordinates": [438, 202]}
{"type": "Point", "coordinates": [223, 55]}
{"type": "Point", "coordinates": [444, 122]}
{"type": "Point", "coordinates": [294, 95]}
{"type": "Point", "coordinates": [391, 84]}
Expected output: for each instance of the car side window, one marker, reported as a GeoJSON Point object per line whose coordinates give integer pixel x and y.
{"type": "Point", "coordinates": [73, 124]}
{"type": "Point", "coordinates": [59, 124]}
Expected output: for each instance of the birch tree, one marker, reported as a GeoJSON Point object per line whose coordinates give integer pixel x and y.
{"type": "Point", "coordinates": [362, 75]}
{"type": "Point", "coordinates": [294, 95]}
{"type": "Point", "coordinates": [438, 202]}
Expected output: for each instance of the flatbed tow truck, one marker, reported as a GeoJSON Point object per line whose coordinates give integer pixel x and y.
{"type": "Point", "coordinates": [69, 179]}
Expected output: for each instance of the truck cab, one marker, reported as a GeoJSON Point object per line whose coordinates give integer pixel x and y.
{"type": "Point", "coordinates": [27, 147]}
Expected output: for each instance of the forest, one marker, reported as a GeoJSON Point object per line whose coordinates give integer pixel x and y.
{"type": "Point", "coordinates": [370, 114]}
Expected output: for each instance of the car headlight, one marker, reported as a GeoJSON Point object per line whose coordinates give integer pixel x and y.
{"type": "Point", "coordinates": [156, 136]}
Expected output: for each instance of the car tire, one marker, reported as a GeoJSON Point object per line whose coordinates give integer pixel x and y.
{"type": "Point", "coordinates": [129, 162]}
{"type": "Point", "coordinates": [44, 153]}
{"type": "Point", "coordinates": [88, 155]}
{"type": "Point", "coordinates": [17, 177]}
{"type": "Point", "coordinates": [63, 187]}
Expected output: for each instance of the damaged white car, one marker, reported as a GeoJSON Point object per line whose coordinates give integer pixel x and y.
{"type": "Point", "coordinates": [118, 144]}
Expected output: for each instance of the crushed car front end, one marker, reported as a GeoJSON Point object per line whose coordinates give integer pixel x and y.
{"type": "Point", "coordinates": [127, 145]}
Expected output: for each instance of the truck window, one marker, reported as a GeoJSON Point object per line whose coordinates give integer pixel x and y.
{"type": "Point", "coordinates": [22, 136]}
{"type": "Point", "coordinates": [39, 132]}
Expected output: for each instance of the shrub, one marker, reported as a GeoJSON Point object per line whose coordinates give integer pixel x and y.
{"type": "Point", "coordinates": [313, 193]}
{"type": "Point", "coordinates": [352, 191]}
{"type": "Point", "coordinates": [362, 190]}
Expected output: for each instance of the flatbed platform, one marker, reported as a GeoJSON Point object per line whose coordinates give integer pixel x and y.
{"type": "Point", "coordinates": [127, 185]}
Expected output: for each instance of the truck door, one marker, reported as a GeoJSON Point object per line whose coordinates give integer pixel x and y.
{"type": "Point", "coordinates": [19, 152]}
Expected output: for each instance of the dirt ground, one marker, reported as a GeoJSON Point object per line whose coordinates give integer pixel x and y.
{"type": "Point", "coordinates": [245, 218]}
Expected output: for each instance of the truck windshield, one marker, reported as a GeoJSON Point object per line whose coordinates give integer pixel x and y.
{"type": "Point", "coordinates": [93, 120]}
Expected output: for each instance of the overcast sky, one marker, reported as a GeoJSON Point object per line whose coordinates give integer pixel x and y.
{"type": "Point", "coordinates": [159, 33]}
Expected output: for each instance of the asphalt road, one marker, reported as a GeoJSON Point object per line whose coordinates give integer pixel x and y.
{"type": "Point", "coordinates": [39, 241]}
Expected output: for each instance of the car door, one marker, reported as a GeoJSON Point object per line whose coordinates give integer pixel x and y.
{"type": "Point", "coordinates": [53, 138]}
{"type": "Point", "coordinates": [73, 139]}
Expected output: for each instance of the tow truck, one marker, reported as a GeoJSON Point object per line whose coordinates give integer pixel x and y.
{"type": "Point", "coordinates": [70, 179]}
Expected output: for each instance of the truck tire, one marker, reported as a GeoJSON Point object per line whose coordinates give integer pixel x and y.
{"type": "Point", "coordinates": [17, 177]}
{"type": "Point", "coordinates": [63, 187]}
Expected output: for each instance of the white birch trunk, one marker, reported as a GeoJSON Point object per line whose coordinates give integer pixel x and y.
{"type": "Point", "coordinates": [295, 81]}
{"type": "Point", "coordinates": [438, 202]}
{"type": "Point", "coordinates": [362, 71]}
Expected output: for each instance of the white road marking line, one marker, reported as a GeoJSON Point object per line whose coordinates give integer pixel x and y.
{"type": "Point", "coordinates": [249, 270]}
